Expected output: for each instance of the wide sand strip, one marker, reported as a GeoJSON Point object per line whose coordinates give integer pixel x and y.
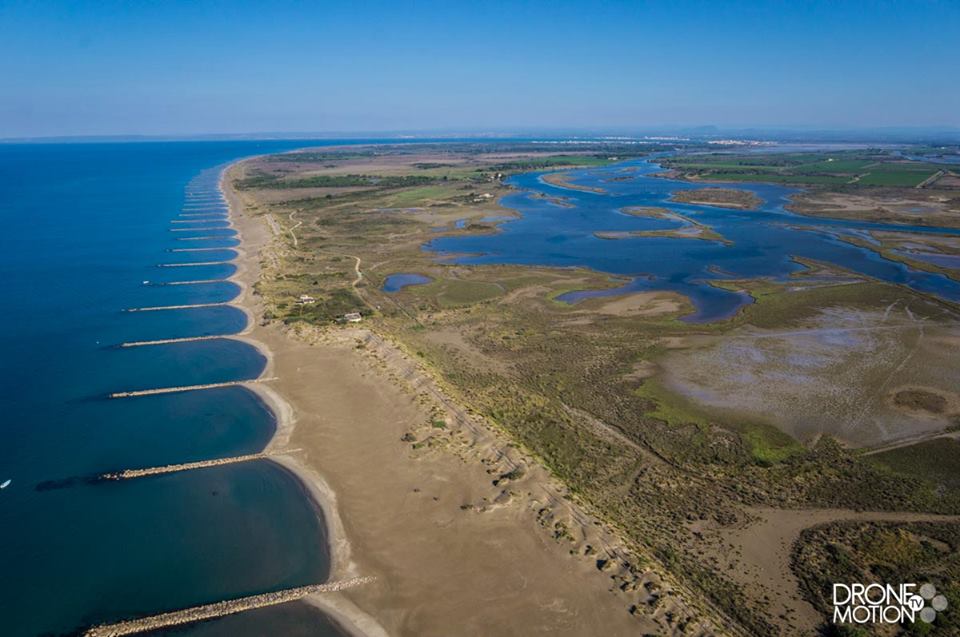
{"type": "Point", "coordinates": [444, 564]}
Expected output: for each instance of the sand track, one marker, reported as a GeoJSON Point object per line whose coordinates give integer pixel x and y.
{"type": "Point", "coordinates": [760, 554]}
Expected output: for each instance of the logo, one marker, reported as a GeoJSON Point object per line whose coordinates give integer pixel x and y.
{"type": "Point", "coordinates": [886, 603]}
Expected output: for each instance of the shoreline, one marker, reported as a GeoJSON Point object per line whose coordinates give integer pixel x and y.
{"type": "Point", "coordinates": [399, 348]}
{"type": "Point", "coordinates": [475, 557]}
{"type": "Point", "coordinates": [350, 618]}
{"type": "Point", "coordinates": [561, 179]}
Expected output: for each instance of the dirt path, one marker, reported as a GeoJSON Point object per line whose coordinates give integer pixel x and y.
{"type": "Point", "coordinates": [931, 179]}
{"type": "Point", "coordinates": [761, 552]}
{"type": "Point", "coordinates": [356, 269]}
{"type": "Point", "coordinates": [296, 225]}
{"type": "Point", "coordinates": [908, 442]}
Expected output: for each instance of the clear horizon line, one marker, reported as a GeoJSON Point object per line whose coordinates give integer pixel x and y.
{"type": "Point", "coordinates": [699, 130]}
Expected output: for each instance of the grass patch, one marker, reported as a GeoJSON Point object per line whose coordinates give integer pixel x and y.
{"type": "Point", "coordinates": [897, 175]}
{"type": "Point", "coordinates": [418, 196]}
{"type": "Point", "coordinates": [778, 178]}
{"type": "Point", "coordinates": [775, 307]}
{"type": "Point", "coordinates": [553, 161]}
{"type": "Point", "coordinates": [849, 166]}
{"type": "Point", "coordinates": [671, 408]}
{"type": "Point", "coordinates": [934, 461]}
{"type": "Point", "coordinates": [854, 168]}
{"type": "Point", "coordinates": [457, 292]}
{"type": "Point", "coordinates": [766, 444]}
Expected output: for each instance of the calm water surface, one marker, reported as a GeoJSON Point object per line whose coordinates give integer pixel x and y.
{"type": "Point", "coordinates": [396, 282]}
{"type": "Point", "coordinates": [763, 243]}
{"type": "Point", "coordinates": [86, 229]}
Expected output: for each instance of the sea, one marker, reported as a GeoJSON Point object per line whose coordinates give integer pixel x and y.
{"type": "Point", "coordinates": [87, 230]}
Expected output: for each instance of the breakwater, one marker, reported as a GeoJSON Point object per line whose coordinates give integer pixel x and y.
{"type": "Point", "coordinates": [88, 224]}
{"type": "Point", "coordinates": [159, 308]}
{"type": "Point", "coordinates": [221, 609]}
{"type": "Point", "coordinates": [184, 388]}
{"type": "Point", "coordinates": [128, 474]}
{"type": "Point", "coordinates": [170, 341]}
{"type": "Point", "coordinates": [193, 265]}
{"type": "Point", "coordinates": [195, 282]}
{"type": "Point", "coordinates": [218, 227]}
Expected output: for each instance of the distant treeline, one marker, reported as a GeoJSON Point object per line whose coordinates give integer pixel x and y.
{"type": "Point", "coordinates": [558, 161]}
{"type": "Point", "coordinates": [316, 156]}
{"type": "Point", "coordinates": [337, 181]}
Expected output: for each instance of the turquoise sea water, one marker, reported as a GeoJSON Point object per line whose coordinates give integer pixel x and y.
{"type": "Point", "coordinates": [761, 243]}
{"type": "Point", "coordinates": [85, 228]}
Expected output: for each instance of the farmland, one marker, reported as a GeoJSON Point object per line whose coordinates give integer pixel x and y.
{"type": "Point", "coordinates": [845, 168]}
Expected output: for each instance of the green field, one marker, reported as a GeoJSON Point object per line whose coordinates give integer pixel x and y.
{"type": "Point", "coordinates": [935, 461]}
{"type": "Point", "coordinates": [555, 161]}
{"type": "Point", "coordinates": [726, 166]}
{"type": "Point", "coordinates": [455, 292]}
{"type": "Point", "coordinates": [898, 175]}
{"type": "Point", "coordinates": [855, 168]}
{"type": "Point", "coordinates": [779, 178]}
{"type": "Point", "coordinates": [831, 165]}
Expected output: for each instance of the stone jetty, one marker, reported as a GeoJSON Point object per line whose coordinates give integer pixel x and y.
{"type": "Point", "coordinates": [172, 390]}
{"type": "Point", "coordinates": [158, 308]}
{"type": "Point", "coordinates": [128, 474]}
{"type": "Point", "coordinates": [220, 609]}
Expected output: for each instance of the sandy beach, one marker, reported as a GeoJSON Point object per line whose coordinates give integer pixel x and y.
{"type": "Point", "coordinates": [451, 552]}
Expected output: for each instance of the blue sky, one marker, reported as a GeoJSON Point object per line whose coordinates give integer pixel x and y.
{"type": "Point", "coordinates": [98, 68]}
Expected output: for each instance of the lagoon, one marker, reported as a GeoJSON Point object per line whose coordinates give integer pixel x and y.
{"type": "Point", "coordinates": [759, 243]}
